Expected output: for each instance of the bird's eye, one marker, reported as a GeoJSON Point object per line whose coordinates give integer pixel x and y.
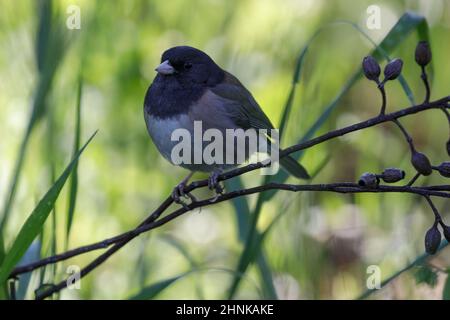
{"type": "Point", "coordinates": [187, 65]}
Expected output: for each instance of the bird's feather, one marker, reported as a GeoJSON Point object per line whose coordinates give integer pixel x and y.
{"type": "Point", "coordinates": [242, 107]}
{"type": "Point", "coordinates": [246, 113]}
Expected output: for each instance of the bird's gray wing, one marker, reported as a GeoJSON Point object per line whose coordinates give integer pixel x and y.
{"type": "Point", "coordinates": [241, 106]}
{"type": "Point", "coordinates": [245, 112]}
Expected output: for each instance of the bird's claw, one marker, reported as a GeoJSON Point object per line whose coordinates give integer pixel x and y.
{"type": "Point", "coordinates": [178, 193]}
{"type": "Point", "coordinates": [214, 184]}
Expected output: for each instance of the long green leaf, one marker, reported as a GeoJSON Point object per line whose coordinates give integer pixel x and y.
{"type": "Point", "coordinates": [183, 250]}
{"type": "Point", "coordinates": [73, 190]}
{"type": "Point", "coordinates": [446, 291]}
{"type": "Point", "coordinates": [50, 47]}
{"type": "Point", "coordinates": [2, 247]}
{"type": "Point", "coordinates": [242, 213]}
{"type": "Point", "coordinates": [32, 254]}
{"type": "Point", "coordinates": [250, 251]}
{"type": "Point", "coordinates": [35, 221]}
{"type": "Point", "coordinates": [3, 290]}
{"type": "Point", "coordinates": [153, 290]}
{"type": "Point", "coordinates": [241, 206]}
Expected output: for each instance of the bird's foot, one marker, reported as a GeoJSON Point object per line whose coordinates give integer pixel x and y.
{"type": "Point", "coordinates": [214, 184]}
{"type": "Point", "coordinates": [178, 194]}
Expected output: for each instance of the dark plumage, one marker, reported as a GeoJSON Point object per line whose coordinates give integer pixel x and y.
{"type": "Point", "coordinates": [175, 93]}
{"type": "Point", "coordinates": [190, 87]}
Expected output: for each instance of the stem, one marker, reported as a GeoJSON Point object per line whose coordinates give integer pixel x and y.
{"type": "Point", "coordinates": [345, 187]}
{"type": "Point", "coordinates": [154, 220]}
{"type": "Point", "coordinates": [437, 215]}
{"type": "Point", "coordinates": [406, 134]}
{"type": "Point", "coordinates": [446, 113]}
{"type": "Point", "coordinates": [416, 176]}
{"type": "Point", "coordinates": [427, 85]}
{"type": "Point", "coordinates": [383, 97]}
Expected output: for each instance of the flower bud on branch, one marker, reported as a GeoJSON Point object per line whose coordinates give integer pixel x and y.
{"type": "Point", "coordinates": [371, 68]}
{"type": "Point", "coordinates": [421, 163]}
{"type": "Point", "coordinates": [444, 169]}
{"type": "Point", "coordinates": [392, 70]}
{"type": "Point", "coordinates": [423, 53]}
{"type": "Point", "coordinates": [369, 180]}
{"type": "Point", "coordinates": [423, 57]}
{"type": "Point", "coordinates": [432, 239]}
{"type": "Point", "coordinates": [392, 175]}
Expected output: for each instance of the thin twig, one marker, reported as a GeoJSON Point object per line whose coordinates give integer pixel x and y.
{"type": "Point", "coordinates": [447, 114]}
{"type": "Point", "coordinates": [383, 97]}
{"type": "Point", "coordinates": [426, 83]}
{"type": "Point", "coordinates": [436, 213]}
{"type": "Point", "coordinates": [346, 187]}
{"type": "Point", "coordinates": [337, 187]}
{"type": "Point", "coordinates": [406, 134]}
{"type": "Point", "coordinates": [416, 176]}
{"type": "Point", "coordinates": [198, 184]}
{"type": "Point", "coordinates": [154, 220]}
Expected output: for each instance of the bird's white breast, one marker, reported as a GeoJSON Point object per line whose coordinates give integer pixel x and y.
{"type": "Point", "coordinates": [161, 131]}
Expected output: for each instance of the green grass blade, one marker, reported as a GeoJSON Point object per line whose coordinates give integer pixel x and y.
{"type": "Point", "coordinates": [295, 80]}
{"type": "Point", "coordinates": [446, 290]}
{"type": "Point", "coordinates": [265, 273]}
{"type": "Point", "coordinates": [3, 291]}
{"type": "Point", "coordinates": [405, 25]}
{"type": "Point", "coordinates": [73, 190]}
{"type": "Point", "coordinates": [418, 261]}
{"type": "Point", "coordinates": [155, 289]}
{"type": "Point", "coordinates": [179, 246]}
{"type": "Point", "coordinates": [35, 221]}
{"type": "Point", "coordinates": [2, 247]}
{"type": "Point", "coordinates": [43, 32]}
{"type": "Point", "coordinates": [241, 208]}
{"type": "Point", "coordinates": [15, 178]}
{"type": "Point", "coordinates": [53, 244]}
{"type": "Point", "coordinates": [50, 48]}
{"type": "Point", "coordinates": [33, 253]}
{"type": "Point", "coordinates": [242, 213]}
{"type": "Point", "coordinates": [183, 250]}
{"type": "Point", "coordinates": [43, 253]}
{"type": "Point", "coordinates": [251, 250]}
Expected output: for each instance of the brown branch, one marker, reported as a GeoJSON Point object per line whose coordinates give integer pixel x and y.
{"type": "Point", "coordinates": [153, 220]}
{"type": "Point", "coordinates": [372, 71]}
{"type": "Point", "coordinates": [337, 188]}
{"type": "Point", "coordinates": [426, 83]}
{"type": "Point", "coordinates": [438, 191]}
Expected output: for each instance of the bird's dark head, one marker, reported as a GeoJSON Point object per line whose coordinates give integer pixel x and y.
{"type": "Point", "coordinates": [190, 66]}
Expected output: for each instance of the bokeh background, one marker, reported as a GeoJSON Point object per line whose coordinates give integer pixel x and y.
{"type": "Point", "coordinates": [321, 245]}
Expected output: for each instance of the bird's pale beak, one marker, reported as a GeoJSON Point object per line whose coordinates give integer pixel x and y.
{"type": "Point", "coordinates": [165, 68]}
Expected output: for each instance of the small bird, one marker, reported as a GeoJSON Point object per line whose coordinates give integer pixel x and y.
{"type": "Point", "coordinates": [190, 86]}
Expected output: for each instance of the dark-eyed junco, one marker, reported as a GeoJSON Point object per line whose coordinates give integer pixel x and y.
{"type": "Point", "coordinates": [191, 87]}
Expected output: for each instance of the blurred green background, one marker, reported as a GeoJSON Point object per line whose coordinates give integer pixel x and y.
{"type": "Point", "coordinates": [322, 244]}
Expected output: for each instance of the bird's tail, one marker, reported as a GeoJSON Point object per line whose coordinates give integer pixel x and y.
{"type": "Point", "coordinates": [294, 168]}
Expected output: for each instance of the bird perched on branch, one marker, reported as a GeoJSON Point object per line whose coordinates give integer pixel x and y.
{"type": "Point", "coordinates": [190, 87]}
